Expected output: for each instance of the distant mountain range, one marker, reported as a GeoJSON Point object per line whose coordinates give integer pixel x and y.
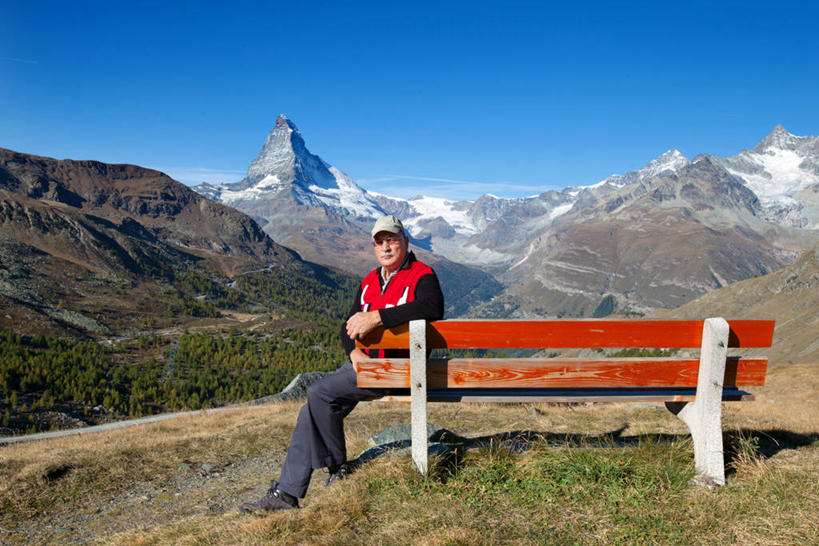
{"type": "Point", "coordinates": [655, 237]}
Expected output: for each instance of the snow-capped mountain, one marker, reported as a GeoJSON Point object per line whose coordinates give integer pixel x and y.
{"type": "Point", "coordinates": [456, 228]}
{"type": "Point", "coordinates": [305, 204]}
{"type": "Point", "coordinates": [783, 171]}
{"type": "Point", "coordinates": [664, 165]}
{"type": "Point", "coordinates": [285, 166]}
{"type": "Point", "coordinates": [657, 236]}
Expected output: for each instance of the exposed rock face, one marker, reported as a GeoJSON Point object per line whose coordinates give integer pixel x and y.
{"type": "Point", "coordinates": [115, 217]}
{"type": "Point", "coordinates": [284, 159]}
{"type": "Point", "coordinates": [295, 390]}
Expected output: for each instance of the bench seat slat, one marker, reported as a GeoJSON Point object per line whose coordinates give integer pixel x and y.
{"type": "Point", "coordinates": [458, 373]}
{"type": "Point", "coordinates": [656, 396]}
{"type": "Point", "coordinates": [565, 334]}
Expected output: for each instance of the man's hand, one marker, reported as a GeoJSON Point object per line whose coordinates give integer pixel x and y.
{"type": "Point", "coordinates": [362, 323]}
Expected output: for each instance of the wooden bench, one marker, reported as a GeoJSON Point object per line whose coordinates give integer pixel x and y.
{"type": "Point", "coordinates": [691, 388]}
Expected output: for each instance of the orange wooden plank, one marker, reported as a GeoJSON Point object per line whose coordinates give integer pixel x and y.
{"type": "Point", "coordinates": [751, 333]}
{"type": "Point", "coordinates": [528, 373]}
{"type": "Point", "coordinates": [564, 334]}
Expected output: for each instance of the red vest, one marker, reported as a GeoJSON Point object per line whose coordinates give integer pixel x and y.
{"type": "Point", "coordinates": [399, 289]}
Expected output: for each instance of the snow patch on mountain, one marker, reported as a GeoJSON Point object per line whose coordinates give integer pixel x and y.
{"type": "Point", "coordinates": [458, 249]}
{"type": "Point", "coordinates": [780, 167]}
{"type": "Point", "coordinates": [266, 186]}
{"type": "Point", "coordinates": [453, 212]}
{"type": "Point", "coordinates": [664, 165]}
{"type": "Point", "coordinates": [560, 211]}
{"type": "Point", "coordinates": [347, 196]}
{"type": "Point", "coordinates": [777, 175]}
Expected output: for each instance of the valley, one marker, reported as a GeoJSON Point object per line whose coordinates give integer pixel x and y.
{"type": "Point", "coordinates": [125, 293]}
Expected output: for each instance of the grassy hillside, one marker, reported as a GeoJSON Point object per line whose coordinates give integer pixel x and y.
{"type": "Point", "coordinates": [614, 473]}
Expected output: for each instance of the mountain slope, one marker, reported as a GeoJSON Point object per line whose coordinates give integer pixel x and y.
{"type": "Point", "coordinates": [789, 295]}
{"type": "Point", "coordinates": [112, 217]}
{"type": "Point", "coordinates": [90, 248]}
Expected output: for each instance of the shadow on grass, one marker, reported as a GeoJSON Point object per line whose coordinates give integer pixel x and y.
{"type": "Point", "coordinates": [761, 444]}
{"type": "Point", "coordinates": [448, 447]}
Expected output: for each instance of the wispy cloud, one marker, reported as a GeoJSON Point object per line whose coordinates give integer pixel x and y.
{"type": "Point", "coordinates": [18, 60]}
{"type": "Point", "coordinates": [408, 186]}
{"type": "Point", "coordinates": [196, 175]}
{"type": "Point", "coordinates": [394, 185]}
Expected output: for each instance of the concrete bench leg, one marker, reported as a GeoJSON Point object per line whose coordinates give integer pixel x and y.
{"type": "Point", "coordinates": [704, 415]}
{"type": "Point", "coordinates": [418, 393]}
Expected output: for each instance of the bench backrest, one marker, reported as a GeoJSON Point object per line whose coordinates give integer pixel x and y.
{"type": "Point", "coordinates": [567, 334]}
{"type": "Point", "coordinates": [590, 373]}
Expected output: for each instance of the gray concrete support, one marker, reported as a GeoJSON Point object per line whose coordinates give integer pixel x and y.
{"type": "Point", "coordinates": [418, 393]}
{"type": "Point", "coordinates": [704, 415]}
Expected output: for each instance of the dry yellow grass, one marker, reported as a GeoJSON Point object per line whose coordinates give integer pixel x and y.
{"type": "Point", "coordinates": [147, 484]}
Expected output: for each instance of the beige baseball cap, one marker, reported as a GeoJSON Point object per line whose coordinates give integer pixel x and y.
{"type": "Point", "coordinates": [388, 223]}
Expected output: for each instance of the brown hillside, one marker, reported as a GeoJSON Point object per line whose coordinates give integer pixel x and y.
{"type": "Point", "coordinates": [112, 217]}
{"type": "Point", "coordinates": [88, 247]}
{"type": "Point", "coordinates": [790, 295]}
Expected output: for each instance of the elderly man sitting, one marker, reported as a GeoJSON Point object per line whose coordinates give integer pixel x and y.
{"type": "Point", "coordinates": [401, 289]}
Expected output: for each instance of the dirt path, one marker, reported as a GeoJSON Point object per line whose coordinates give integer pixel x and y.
{"type": "Point", "coordinates": [193, 489]}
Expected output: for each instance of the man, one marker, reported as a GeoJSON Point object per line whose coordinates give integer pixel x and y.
{"type": "Point", "coordinates": [399, 290]}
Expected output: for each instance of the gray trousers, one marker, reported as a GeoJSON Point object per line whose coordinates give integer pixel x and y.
{"type": "Point", "coordinates": [318, 439]}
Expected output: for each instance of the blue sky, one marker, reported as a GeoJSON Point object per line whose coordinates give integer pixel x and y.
{"type": "Point", "coordinates": [451, 99]}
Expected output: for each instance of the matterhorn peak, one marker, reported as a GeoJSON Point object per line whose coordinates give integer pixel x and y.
{"type": "Point", "coordinates": [284, 159]}
{"type": "Point", "coordinates": [284, 123]}
{"type": "Point", "coordinates": [286, 171]}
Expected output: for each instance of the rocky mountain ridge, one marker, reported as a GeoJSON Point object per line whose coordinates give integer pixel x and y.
{"type": "Point", "coordinates": [48, 202]}
{"type": "Point", "coordinates": [77, 236]}
{"type": "Point", "coordinates": [654, 237]}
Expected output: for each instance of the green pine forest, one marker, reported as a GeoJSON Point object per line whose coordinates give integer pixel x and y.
{"type": "Point", "coordinates": [148, 373]}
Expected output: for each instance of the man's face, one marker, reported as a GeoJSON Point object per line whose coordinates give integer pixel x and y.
{"type": "Point", "coordinates": [390, 249]}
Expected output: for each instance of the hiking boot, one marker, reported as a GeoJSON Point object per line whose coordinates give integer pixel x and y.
{"type": "Point", "coordinates": [274, 499]}
{"type": "Point", "coordinates": [339, 473]}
